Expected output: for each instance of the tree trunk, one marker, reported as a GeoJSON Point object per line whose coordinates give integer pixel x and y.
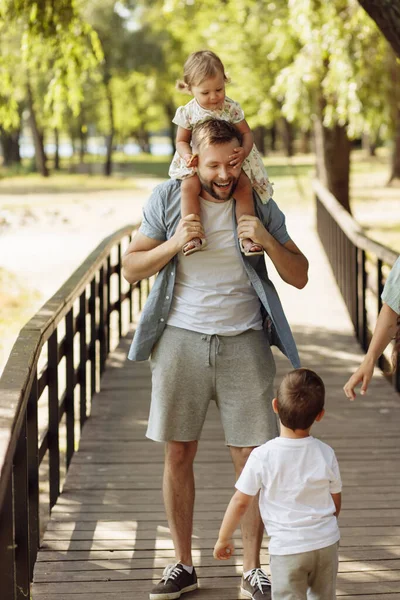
{"type": "Point", "coordinates": [394, 103]}
{"type": "Point", "coordinates": [111, 128]}
{"type": "Point", "coordinates": [386, 14]}
{"type": "Point", "coordinates": [305, 142]}
{"type": "Point", "coordinates": [169, 108]}
{"type": "Point", "coordinates": [395, 165]}
{"type": "Point", "coordinates": [368, 145]}
{"type": "Point", "coordinates": [287, 136]}
{"type": "Point", "coordinates": [37, 136]}
{"type": "Point", "coordinates": [259, 139]}
{"type": "Point", "coordinates": [9, 141]}
{"type": "Point", "coordinates": [57, 150]}
{"type": "Point", "coordinates": [143, 140]}
{"type": "Point", "coordinates": [332, 148]}
{"type": "Point", "coordinates": [272, 133]}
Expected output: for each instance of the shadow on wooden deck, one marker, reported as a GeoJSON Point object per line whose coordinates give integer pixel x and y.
{"type": "Point", "coordinates": [108, 537]}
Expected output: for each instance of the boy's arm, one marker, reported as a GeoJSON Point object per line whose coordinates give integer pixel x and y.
{"type": "Point", "coordinates": [183, 137]}
{"type": "Point", "coordinates": [237, 507]}
{"type": "Point", "coordinates": [337, 499]}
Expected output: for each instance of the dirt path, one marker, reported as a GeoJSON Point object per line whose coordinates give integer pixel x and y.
{"type": "Point", "coordinates": [42, 242]}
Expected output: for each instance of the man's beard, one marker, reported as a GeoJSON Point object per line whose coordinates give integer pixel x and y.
{"type": "Point", "coordinates": [213, 191]}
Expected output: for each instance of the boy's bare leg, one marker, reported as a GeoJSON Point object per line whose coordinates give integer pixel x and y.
{"type": "Point", "coordinates": [252, 526]}
{"type": "Point", "coordinates": [245, 206]}
{"type": "Point", "coordinates": [179, 493]}
{"type": "Point", "coordinates": [190, 205]}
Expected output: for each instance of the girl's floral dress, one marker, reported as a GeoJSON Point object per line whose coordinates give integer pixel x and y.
{"type": "Point", "coordinates": [190, 114]}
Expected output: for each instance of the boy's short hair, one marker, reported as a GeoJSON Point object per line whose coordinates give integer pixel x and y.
{"type": "Point", "coordinates": [214, 132]}
{"type": "Point", "coordinates": [301, 397]}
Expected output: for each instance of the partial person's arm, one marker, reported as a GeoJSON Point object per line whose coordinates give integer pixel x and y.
{"type": "Point", "coordinates": [146, 256]}
{"type": "Point", "coordinates": [242, 152]}
{"type": "Point", "coordinates": [337, 500]}
{"type": "Point", "coordinates": [385, 330]}
{"type": "Point", "coordinates": [237, 507]}
{"type": "Point", "coordinates": [289, 261]}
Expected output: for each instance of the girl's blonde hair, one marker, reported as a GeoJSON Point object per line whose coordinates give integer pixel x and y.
{"type": "Point", "coordinates": [200, 66]}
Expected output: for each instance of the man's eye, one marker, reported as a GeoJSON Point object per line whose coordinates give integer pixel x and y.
{"type": "Point", "coordinates": [204, 93]}
{"type": "Point", "coordinates": [219, 90]}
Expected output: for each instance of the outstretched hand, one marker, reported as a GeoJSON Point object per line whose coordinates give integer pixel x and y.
{"type": "Point", "coordinates": [362, 375]}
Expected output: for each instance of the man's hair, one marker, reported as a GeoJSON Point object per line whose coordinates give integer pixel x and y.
{"type": "Point", "coordinates": [213, 132]}
{"type": "Point", "coordinates": [301, 397]}
{"type": "Point", "coordinates": [200, 66]}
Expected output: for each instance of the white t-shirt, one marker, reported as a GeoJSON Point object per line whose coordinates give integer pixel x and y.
{"type": "Point", "coordinates": [296, 478]}
{"type": "Point", "coordinates": [212, 292]}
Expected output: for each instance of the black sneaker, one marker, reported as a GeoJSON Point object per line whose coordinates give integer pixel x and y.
{"type": "Point", "coordinates": [174, 582]}
{"type": "Point", "coordinates": [256, 585]}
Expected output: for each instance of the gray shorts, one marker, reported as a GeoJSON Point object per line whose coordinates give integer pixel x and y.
{"type": "Point", "coordinates": [305, 576]}
{"type": "Point", "coordinates": [189, 369]}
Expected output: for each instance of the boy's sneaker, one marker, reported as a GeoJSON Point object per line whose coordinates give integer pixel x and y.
{"type": "Point", "coordinates": [174, 582]}
{"type": "Point", "coordinates": [256, 585]}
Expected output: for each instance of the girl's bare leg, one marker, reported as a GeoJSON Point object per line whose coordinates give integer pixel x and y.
{"type": "Point", "coordinates": [245, 206]}
{"type": "Point", "coordinates": [190, 205]}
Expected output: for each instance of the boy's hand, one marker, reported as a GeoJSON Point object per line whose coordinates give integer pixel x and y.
{"type": "Point", "coordinates": [223, 549]}
{"type": "Point", "coordinates": [237, 159]}
{"type": "Point", "coordinates": [191, 160]}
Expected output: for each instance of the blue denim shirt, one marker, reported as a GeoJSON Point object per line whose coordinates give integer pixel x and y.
{"type": "Point", "coordinates": [161, 215]}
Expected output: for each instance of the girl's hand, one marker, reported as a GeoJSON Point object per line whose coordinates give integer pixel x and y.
{"type": "Point", "coordinates": [237, 159]}
{"type": "Point", "coordinates": [363, 374]}
{"type": "Point", "coordinates": [223, 549]}
{"type": "Point", "coordinates": [191, 160]}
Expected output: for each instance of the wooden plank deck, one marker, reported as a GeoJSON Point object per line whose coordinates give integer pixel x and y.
{"type": "Point", "coordinates": [108, 537]}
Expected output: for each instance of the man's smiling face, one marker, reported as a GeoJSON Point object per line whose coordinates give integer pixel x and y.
{"type": "Point", "coordinates": [217, 177]}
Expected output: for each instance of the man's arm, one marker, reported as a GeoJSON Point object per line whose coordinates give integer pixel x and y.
{"type": "Point", "coordinates": [337, 500]}
{"type": "Point", "coordinates": [289, 261]}
{"type": "Point", "coordinates": [145, 256]}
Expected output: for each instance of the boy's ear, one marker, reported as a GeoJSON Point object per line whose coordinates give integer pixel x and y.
{"type": "Point", "coordinates": [320, 415]}
{"type": "Point", "coordinates": [275, 405]}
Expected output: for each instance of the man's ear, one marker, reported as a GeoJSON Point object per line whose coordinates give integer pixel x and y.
{"type": "Point", "coordinates": [320, 415]}
{"type": "Point", "coordinates": [275, 405]}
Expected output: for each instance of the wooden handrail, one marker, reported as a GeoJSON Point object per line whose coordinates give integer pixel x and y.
{"type": "Point", "coordinates": [21, 387]}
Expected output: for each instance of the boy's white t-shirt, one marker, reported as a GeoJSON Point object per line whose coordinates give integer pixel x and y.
{"type": "Point", "coordinates": [296, 478]}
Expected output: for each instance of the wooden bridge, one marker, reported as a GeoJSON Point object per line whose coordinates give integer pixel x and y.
{"type": "Point", "coordinates": [108, 537]}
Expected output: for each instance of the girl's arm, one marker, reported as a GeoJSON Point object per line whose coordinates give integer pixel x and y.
{"type": "Point", "coordinates": [183, 138]}
{"type": "Point", "coordinates": [385, 330]}
{"type": "Point", "coordinates": [237, 507]}
{"type": "Point", "coordinates": [244, 150]}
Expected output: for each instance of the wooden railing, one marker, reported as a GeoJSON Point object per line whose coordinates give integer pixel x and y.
{"type": "Point", "coordinates": [359, 265]}
{"type": "Point", "coordinates": [53, 371]}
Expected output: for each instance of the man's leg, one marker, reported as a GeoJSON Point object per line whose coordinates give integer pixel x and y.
{"type": "Point", "coordinates": [252, 526]}
{"type": "Point", "coordinates": [178, 490]}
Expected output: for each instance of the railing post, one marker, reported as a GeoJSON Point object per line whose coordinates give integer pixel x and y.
{"type": "Point", "coordinates": [70, 385]}
{"type": "Point", "coordinates": [362, 312]}
{"type": "Point", "coordinates": [119, 301]}
{"type": "Point", "coordinates": [33, 475]}
{"type": "Point", "coordinates": [7, 545]}
{"type": "Point", "coordinates": [53, 433]}
{"type": "Point", "coordinates": [21, 515]}
{"type": "Point", "coordinates": [102, 319]}
{"type": "Point", "coordinates": [108, 304]}
{"type": "Point", "coordinates": [82, 358]}
{"type": "Point", "coordinates": [379, 290]}
{"type": "Point", "coordinates": [93, 337]}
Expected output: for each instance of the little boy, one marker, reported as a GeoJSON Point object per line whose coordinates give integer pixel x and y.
{"type": "Point", "coordinates": [300, 496]}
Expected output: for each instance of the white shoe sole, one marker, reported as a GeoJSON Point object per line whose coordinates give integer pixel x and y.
{"type": "Point", "coordinates": [174, 595]}
{"type": "Point", "coordinates": [246, 593]}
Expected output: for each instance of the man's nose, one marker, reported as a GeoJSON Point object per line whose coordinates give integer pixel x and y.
{"type": "Point", "coordinates": [223, 172]}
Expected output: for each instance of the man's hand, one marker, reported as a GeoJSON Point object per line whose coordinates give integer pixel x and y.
{"type": "Point", "coordinates": [236, 160]}
{"type": "Point", "coordinates": [251, 227]}
{"type": "Point", "coordinates": [187, 229]}
{"type": "Point", "coordinates": [363, 375]}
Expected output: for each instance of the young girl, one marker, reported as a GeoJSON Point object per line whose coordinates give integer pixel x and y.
{"type": "Point", "coordinates": [205, 78]}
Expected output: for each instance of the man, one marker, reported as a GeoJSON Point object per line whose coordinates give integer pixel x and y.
{"type": "Point", "coordinates": [208, 324]}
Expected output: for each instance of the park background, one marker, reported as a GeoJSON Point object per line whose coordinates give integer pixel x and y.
{"type": "Point", "coordinates": [87, 96]}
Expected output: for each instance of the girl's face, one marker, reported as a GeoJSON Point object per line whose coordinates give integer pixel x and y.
{"type": "Point", "coordinates": [210, 93]}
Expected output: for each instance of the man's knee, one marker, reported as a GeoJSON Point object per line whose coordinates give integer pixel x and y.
{"type": "Point", "coordinates": [180, 454]}
{"type": "Point", "coordinates": [239, 457]}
